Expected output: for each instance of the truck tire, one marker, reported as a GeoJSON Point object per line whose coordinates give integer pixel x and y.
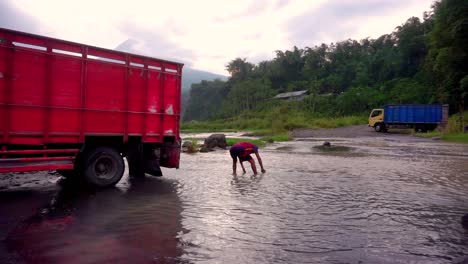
{"type": "Point", "coordinates": [378, 127]}
{"type": "Point", "coordinates": [103, 167]}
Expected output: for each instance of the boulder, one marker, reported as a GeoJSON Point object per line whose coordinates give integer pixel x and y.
{"type": "Point", "coordinates": [216, 140]}
{"type": "Point", "coordinates": [188, 146]}
{"type": "Point", "coordinates": [204, 149]}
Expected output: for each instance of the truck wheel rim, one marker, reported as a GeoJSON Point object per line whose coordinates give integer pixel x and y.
{"type": "Point", "coordinates": [104, 168]}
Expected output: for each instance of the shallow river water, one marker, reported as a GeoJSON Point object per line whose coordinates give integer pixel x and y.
{"type": "Point", "coordinates": [385, 200]}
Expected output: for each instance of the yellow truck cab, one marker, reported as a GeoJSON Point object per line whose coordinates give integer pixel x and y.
{"type": "Point", "coordinates": [376, 119]}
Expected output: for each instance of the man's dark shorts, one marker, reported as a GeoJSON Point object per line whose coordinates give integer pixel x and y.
{"type": "Point", "coordinates": [237, 151]}
{"type": "Point", "coordinates": [245, 158]}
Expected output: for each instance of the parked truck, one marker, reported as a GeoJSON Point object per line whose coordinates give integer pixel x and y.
{"type": "Point", "coordinates": [80, 109]}
{"type": "Point", "coordinates": [418, 116]}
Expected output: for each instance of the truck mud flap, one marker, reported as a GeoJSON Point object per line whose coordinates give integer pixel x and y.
{"type": "Point", "coordinates": [152, 168]}
{"type": "Point", "coordinates": [170, 155]}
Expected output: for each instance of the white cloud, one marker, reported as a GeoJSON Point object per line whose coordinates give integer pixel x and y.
{"type": "Point", "coordinates": [209, 33]}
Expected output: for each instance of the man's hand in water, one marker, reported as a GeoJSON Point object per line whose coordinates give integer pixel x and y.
{"type": "Point", "coordinates": [263, 170]}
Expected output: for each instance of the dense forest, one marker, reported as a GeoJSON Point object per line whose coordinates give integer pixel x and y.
{"type": "Point", "coordinates": [422, 61]}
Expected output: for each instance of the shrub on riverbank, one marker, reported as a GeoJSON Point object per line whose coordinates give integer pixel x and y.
{"type": "Point", "coordinates": [452, 132]}
{"type": "Point", "coordinates": [274, 123]}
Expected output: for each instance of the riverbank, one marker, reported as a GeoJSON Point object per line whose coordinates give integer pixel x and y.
{"type": "Point", "coordinates": [271, 124]}
{"type": "Point", "coordinates": [303, 127]}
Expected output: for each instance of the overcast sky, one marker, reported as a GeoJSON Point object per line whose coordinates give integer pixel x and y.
{"type": "Point", "coordinates": [206, 34]}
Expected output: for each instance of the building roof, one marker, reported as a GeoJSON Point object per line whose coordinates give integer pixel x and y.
{"type": "Point", "coordinates": [290, 94]}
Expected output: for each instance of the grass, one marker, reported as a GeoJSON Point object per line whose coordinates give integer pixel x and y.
{"type": "Point", "coordinates": [278, 137]}
{"type": "Point", "coordinates": [429, 134]}
{"type": "Point", "coordinates": [258, 142]}
{"type": "Point", "coordinates": [272, 125]}
{"type": "Point", "coordinates": [450, 137]}
{"type": "Point", "coordinates": [459, 138]}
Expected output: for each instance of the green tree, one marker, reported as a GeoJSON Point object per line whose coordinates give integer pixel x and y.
{"type": "Point", "coordinates": [239, 69]}
{"type": "Point", "coordinates": [205, 100]}
{"type": "Point", "coordinates": [448, 53]}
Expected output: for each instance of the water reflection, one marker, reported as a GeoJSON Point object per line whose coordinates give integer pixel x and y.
{"type": "Point", "coordinates": [137, 223]}
{"type": "Point", "coordinates": [400, 203]}
{"type": "Point", "coordinates": [246, 184]}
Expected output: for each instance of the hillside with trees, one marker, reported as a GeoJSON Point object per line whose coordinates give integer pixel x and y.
{"type": "Point", "coordinates": [422, 61]}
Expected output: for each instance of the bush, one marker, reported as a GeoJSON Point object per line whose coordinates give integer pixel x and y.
{"type": "Point", "coordinates": [453, 125]}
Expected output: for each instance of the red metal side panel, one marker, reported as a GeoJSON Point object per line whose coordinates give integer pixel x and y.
{"type": "Point", "coordinates": [3, 85]}
{"type": "Point", "coordinates": [136, 100]}
{"type": "Point", "coordinates": [105, 100]}
{"type": "Point", "coordinates": [64, 119]}
{"type": "Point", "coordinates": [28, 100]}
{"type": "Point", "coordinates": [153, 104]}
{"type": "Point", "coordinates": [171, 105]}
{"type": "Point", "coordinates": [58, 91]}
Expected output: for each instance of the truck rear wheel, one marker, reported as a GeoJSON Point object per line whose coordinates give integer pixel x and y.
{"type": "Point", "coordinates": [103, 167]}
{"type": "Point", "coordinates": [378, 127]}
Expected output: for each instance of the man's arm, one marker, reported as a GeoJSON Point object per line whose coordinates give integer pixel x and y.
{"type": "Point", "coordinates": [260, 162]}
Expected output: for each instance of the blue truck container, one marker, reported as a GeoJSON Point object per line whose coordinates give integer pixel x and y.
{"type": "Point", "coordinates": [418, 116]}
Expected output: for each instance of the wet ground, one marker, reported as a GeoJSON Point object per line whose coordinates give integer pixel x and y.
{"type": "Point", "coordinates": [391, 199]}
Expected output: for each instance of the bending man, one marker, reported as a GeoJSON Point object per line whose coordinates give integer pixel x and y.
{"type": "Point", "coordinates": [242, 150]}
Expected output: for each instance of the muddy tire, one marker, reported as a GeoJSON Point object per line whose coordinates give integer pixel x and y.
{"type": "Point", "coordinates": [103, 167]}
{"type": "Point", "coordinates": [378, 127]}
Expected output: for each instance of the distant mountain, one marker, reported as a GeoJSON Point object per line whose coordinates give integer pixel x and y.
{"type": "Point", "coordinates": [190, 76]}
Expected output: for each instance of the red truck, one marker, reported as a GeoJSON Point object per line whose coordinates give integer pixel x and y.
{"type": "Point", "coordinates": [80, 109]}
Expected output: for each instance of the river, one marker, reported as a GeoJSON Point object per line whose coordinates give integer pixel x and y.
{"type": "Point", "coordinates": [365, 200]}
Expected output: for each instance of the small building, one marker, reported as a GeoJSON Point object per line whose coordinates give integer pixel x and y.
{"type": "Point", "coordinates": [296, 96]}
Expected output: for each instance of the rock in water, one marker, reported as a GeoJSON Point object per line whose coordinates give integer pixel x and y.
{"type": "Point", "coordinates": [205, 149]}
{"type": "Point", "coordinates": [216, 140]}
{"type": "Point", "coordinates": [327, 144]}
{"type": "Point", "coordinates": [188, 146]}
